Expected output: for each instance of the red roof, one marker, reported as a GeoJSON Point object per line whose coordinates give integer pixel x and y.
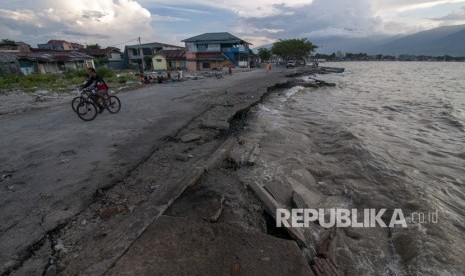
{"type": "Point", "coordinates": [173, 54]}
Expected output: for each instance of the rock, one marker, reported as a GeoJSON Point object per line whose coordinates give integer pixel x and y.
{"type": "Point", "coordinates": [51, 271]}
{"type": "Point", "coordinates": [190, 137]}
{"type": "Point", "coordinates": [352, 233]}
{"type": "Point", "coordinates": [266, 259]}
{"type": "Point", "coordinates": [40, 98]}
{"type": "Point", "coordinates": [181, 157]}
{"type": "Point", "coordinates": [219, 125]}
{"type": "Point", "coordinates": [41, 92]}
{"type": "Point", "coordinates": [84, 222]}
{"type": "Point", "coordinates": [254, 155]}
{"type": "Point", "coordinates": [60, 249]}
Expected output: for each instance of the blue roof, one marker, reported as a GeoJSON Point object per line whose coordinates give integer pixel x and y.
{"type": "Point", "coordinates": [216, 38]}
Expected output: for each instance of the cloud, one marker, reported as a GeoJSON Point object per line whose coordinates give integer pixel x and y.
{"type": "Point", "coordinates": [455, 16]}
{"type": "Point", "coordinates": [320, 18]}
{"type": "Point", "coordinates": [76, 20]}
{"type": "Point", "coordinates": [164, 18]}
{"type": "Point", "coordinates": [401, 6]}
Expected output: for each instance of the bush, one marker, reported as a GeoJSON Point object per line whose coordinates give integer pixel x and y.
{"type": "Point", "coordinates": [106, 72]}
{"type": "Point", "coordinates": [73, 73]}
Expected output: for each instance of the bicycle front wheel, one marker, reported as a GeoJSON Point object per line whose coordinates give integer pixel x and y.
{"type": "Point", "coordinates": [75, 102]}
{"type": "Point", "coordinates": [86, 110]}
{"type": "Point", "coordinates": [113, 104]}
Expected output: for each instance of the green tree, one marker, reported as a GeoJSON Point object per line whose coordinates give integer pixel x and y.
{"type": "Point", "coordinates": [7, 41]}
{"type": "Point", "coordinates": [264, 54]}
{"type": "Point", "coordinates": [93, 46]}
{"type": "Point", "coordinates": [293, 48]}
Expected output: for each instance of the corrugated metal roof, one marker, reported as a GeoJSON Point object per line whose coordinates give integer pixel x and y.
{"type": "Point", "coordinates": [7, 58]}
{"type": "Point", "coordinates": [151, 45]}
{"type": "Point", "coordinates": [223, 37]}
{"type": "Point", "coordinates": [100, 52]}
{"type": "Point", "coordinates": [52, 56]}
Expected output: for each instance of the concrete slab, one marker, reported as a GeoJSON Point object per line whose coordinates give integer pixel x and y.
{"type": "Point", "coordinates": [177, 246]}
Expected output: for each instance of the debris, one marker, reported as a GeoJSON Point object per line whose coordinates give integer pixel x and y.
{"type": "Point", "coordinates": [51, 271]}
{"type": "Point", "coordinates": [253, 155]}
{"type": "Point", "coordinates": [41, 92]}
{"type": "Point", "coordinates": [106, 213]}
{"type": "Point", "coordinates": [181, 157]}
{"type": "Point", "coordinates": [217, 215]}
{"type": "Point", "coordinates": [235, 269]}
{"type": "Point", "coordinates": [191, 137]}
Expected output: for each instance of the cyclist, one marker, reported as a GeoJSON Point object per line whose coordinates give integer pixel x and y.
{"type": "Point", "coordinates": [99, 87]}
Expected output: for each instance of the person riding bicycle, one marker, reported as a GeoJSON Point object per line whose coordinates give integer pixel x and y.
{"type": "Point", "coordinates": [98, 86]}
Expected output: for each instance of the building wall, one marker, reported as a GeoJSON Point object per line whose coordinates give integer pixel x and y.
{"type": "Point", "coordinates": [159, 62]}
{"type": "Point", "coordinates": [115, 56]}
{"type": "Point", "coordinates": [175, 64]}
{"type": "Point", "coordinates": [191, 65]}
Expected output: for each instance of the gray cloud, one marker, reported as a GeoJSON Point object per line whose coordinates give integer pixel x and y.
{"type": "Point", "coordinates": [331, 17]}
{"type": "Point", "coordinates": [89, 35]}
{"type": "Point", "coordinates": [458, 15]}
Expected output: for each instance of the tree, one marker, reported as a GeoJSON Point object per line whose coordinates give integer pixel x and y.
{"type": "Point", "coordinates": [293, 48]}
{"type": "Point", "coordinates": [264, 54]}
{"type": "Point", "coordinates": [7, 41]}
{"type": "Point", "coordinates": [93, 46]}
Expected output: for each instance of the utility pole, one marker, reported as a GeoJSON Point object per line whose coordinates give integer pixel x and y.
{"type": "Point", "coordinates": [141, 53]}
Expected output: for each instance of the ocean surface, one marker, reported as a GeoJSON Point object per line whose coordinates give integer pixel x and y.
{"type": "Point", "coordinates": [389, 135]}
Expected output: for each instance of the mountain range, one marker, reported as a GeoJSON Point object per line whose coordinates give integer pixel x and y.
{"type": "Point", "coordinates": [445, 40]}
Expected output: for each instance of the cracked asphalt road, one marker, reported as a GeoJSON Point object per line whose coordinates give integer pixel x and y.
{"type": "Point", "coordinates": [52, 163]}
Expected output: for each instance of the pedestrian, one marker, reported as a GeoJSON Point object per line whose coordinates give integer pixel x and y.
{"type": "Point", "coordinates": [141, 76]}
{"type": "Point", "coordinates": [230, 69]}
{"type": "Point", "coordinates": [180, 77]}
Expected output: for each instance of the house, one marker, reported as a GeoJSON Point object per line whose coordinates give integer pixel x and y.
{"type": "Point", "coordinates": [60, 45]}
{"type": "Point", "coordinates": [140, 55]}
{"type": "Point", "coordinates": [8, 64]}
{"type": "Point", "coordinates": [11, 47]}
{"type": "Point", "coordinates": [169, 60]}
{"type": "Point", "coordinates": [109, 57]}
{"type": "Point", "coordinates": [45, 62]}
{"type": "Point", "coordinates": [216, 50]}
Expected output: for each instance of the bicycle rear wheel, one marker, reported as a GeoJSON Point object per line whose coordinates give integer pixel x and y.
{"type": "Point", "coordinates": [76, 101]}
{"type": "Point", "coordinates": [113, 104]}
{"type": "Point", "coordinates": [87, 111]}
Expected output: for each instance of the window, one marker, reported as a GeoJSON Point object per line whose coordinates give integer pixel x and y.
{"type": "Point", "coordinates": [158, 60]}
{"type": "Point", "coordinates": [61, 65]}
{"type": "Point", "coordinates": [201, 47]}
{"type": "Point", "coordinates": [182, 64]}
{"type": "Point", "coordinates": [172, 64]}
{"type": "Point", "coordinates": [135, 52]}
{"type": "Point", "coordinates": [205, 65]}
{"type": "Point", "coordinates": [147, 51]}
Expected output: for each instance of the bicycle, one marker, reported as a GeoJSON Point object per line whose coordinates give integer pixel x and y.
{"type": "Point", "coordinates": [86, 104]}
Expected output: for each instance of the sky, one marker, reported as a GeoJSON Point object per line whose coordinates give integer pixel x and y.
{"type": "Point", "coordinates": [121, 22]}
